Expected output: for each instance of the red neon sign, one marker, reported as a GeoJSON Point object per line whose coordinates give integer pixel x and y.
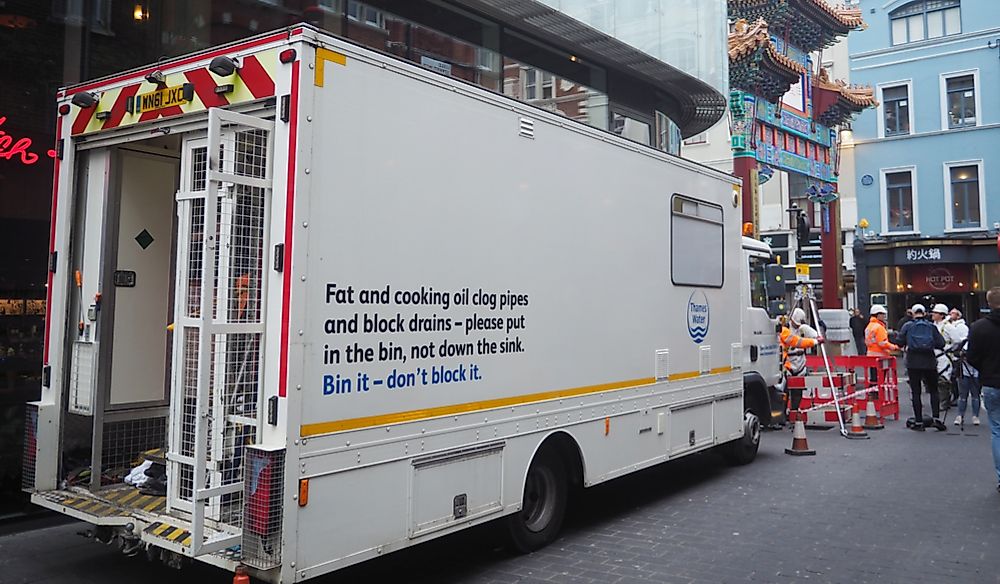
{"type": "Point", "coordinates": [10, 148]}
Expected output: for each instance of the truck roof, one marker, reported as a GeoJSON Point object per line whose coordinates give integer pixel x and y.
{"type": "Point", "coordinates": [752, 244]}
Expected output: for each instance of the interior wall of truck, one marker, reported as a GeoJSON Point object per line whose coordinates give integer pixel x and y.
{"type": "Point", "coordinates": [121, 303]}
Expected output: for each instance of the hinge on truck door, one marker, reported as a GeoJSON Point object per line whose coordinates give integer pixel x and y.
{"type": "Point", "coordinates": [272, 410]}
{"type": "Point", "coordinates": [60, 147]}
{"type": "Point", "coordinates": [52, 261]}
{"type": "Point", "coordinates": [279, 257]}
{"type": "Point", "coordinates": [285, 106]}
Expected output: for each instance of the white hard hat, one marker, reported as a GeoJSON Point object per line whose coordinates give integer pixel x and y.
{"type": "Point", "coordinates": [798, 315]}
{"type": "Point", "coordinates": [918, 308]}
{"type": "Point", "coordinates": [877, 309]}
{"type": "Point", "coordinates": [940, 309]}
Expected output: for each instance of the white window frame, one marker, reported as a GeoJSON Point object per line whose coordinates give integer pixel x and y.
{"type": "Point", "coordinates": [924, 23]}
{"type": "Point", "coordinates": [949, 217]}
{"type": "Point", "coordinates": [976, 87]}
{"type": "Point", "coordinates": [699, 139]}
{"type": "Point", "coordinates": [910, 107]}
{"type": "Point", "coordinates": [884, 199]}
{"type": "Point", "coordinates": [357, 11]}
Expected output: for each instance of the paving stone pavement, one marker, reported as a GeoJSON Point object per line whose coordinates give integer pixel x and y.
{"type": "Point", "coordinates": [900, 507]}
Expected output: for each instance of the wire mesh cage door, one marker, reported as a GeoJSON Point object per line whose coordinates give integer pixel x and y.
{"type": "Point", "coordinates": [219, 317]}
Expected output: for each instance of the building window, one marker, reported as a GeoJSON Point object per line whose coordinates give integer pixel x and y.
{"type": "Point", "coordinates": [896, 108]}
{"type": "Point", "coordinates": [960, 100]}
{"type": "Point", "coordinates": [630, 125]}
{"type": "Point", "coordinates": [899, 200]}
{"type": "Point", "coordinates": [366, 14]}
{"type": "Point", "coordinates": [668, 135]}
{"type": "Point", "coordinates": [530, 84]}
{"type": "Point", "coordinates": [538, 84]}
{"type": "Point", "coordinates": [548, 86]}
{"type": "Point", "coordinates": [701, 138]}
{"type": "Point", "coordinates": [966, 211]}
{"type": "Point", "coordinates": [925, 19]}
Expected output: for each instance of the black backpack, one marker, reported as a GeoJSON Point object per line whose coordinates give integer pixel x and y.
{"type": "Point", "coordinates": [920, 336]}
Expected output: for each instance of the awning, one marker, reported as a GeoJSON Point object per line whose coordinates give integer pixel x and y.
{"type": "Point", "coordinates": [699, 105]}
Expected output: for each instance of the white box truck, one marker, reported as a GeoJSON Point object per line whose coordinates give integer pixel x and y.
{"type": "Point", "coordinates": [351, 305]}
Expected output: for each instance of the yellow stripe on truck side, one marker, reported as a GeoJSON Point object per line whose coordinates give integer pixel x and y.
{"type": "Point", "coordinates": [413, 415]}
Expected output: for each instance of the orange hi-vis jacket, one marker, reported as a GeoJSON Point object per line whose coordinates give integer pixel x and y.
{"type": "Point", "coordinates": [793, 347]}
{"type": "Point", "coordinates": [877, 339]}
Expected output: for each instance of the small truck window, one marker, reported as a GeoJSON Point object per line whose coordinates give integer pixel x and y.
{"type": "Point", "coordinates": [696, 243]}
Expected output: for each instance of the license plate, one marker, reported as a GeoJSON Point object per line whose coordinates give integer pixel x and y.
{"type": "Point", "coordinates": [163, 98]}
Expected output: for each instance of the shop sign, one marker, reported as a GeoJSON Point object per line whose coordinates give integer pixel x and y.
{"type": "Point", "coordinates": [923, 254]}
{"type": "Point", "coordinates": [948, 278]}
{"type": "Point", "coordinates": [18, 149]}
{"type": "Point", "coordinates": [785, 160]}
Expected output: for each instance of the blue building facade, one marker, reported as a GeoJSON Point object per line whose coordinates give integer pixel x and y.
{"type": "Point", "coordinates": [928, 158]}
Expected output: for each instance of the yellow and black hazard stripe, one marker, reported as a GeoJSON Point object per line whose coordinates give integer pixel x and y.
{"type": "Point", "coordinates": [169, 533]}
{"type": "Point", "coordinates": [134, 499]}
{"type": "Point", "coordinates": [112, 502]}
{"type": "Point", "coordinates": [90, 506]}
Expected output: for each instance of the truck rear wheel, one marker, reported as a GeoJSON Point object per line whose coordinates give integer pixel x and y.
{"type": "Point", "coordinates": [744, 449]}
{"type": "Point", "coordinates": [543, 505]}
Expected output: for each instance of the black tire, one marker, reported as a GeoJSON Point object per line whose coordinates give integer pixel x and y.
{"type": "Point", "coordinates": [744, 449]}
{"type": "Point", "coordinates": [543, 505]}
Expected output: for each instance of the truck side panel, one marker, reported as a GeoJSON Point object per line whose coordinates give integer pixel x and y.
{"type": "Point", "coordinates": [472, 273]}
{"type": "Point", "coordinates": [452, 262]}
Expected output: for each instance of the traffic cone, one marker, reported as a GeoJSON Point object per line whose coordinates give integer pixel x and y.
{"type": "Point", "coordinates": [240, 576]}
{"type": "Point", "coordinates": [800, 445]}
{"type": "Point", "coordinates": [857, 431]}
{"type": "Point", "coordinates": [872, 421]}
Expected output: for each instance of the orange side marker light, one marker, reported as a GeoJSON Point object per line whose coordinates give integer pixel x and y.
{"type": "Point", "coordinates": [303, 492]}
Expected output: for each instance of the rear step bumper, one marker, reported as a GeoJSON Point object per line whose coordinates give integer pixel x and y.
{"type": "Point", "coordinates": [113, 506]}
{"type": "Point", "coordinates": [121, 505]}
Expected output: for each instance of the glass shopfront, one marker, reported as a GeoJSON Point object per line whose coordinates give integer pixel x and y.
{"type": "Point", "coordinates": [955, 285]}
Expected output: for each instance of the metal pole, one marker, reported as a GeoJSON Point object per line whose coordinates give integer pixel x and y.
{"type": "Point", "coordinates": [826, 360]}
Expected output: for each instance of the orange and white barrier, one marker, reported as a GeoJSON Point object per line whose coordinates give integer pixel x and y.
{"type": "Point", "coordinates": [819, 405]}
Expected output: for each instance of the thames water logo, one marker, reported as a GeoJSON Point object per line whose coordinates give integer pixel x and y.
{"type": "Point", "coordinates": [698, 316]}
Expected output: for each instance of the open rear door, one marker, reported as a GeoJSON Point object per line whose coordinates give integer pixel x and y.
{"type": "Point", "coordinates": [223, 208]}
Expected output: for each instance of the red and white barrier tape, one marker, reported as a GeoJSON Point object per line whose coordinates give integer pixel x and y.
{"type": "Point", "coordinates": [839, 397]}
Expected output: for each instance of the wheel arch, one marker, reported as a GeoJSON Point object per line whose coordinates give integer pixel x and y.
{"type": "Point", "coordinates": [568, 450]}
{"type": "Point", "coordinates": [755, 397]}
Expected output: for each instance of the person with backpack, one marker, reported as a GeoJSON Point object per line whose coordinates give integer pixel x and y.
{"type": "Point", "coordinates": [984, 338]}
{"type": "Point", "coordinates": [920, 338]}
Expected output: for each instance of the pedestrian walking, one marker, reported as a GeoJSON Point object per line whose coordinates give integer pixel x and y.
{"type": "Point", "coordinates": [965, 376]}
{"type": "Point", "coordinates": [920, 338]}
{"type": "Point", "coordinates": [967, 379]}
{"type": "Point", "coordinates": [857, 324]}
{"type": "Point", "coordinates": [984, 338]}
